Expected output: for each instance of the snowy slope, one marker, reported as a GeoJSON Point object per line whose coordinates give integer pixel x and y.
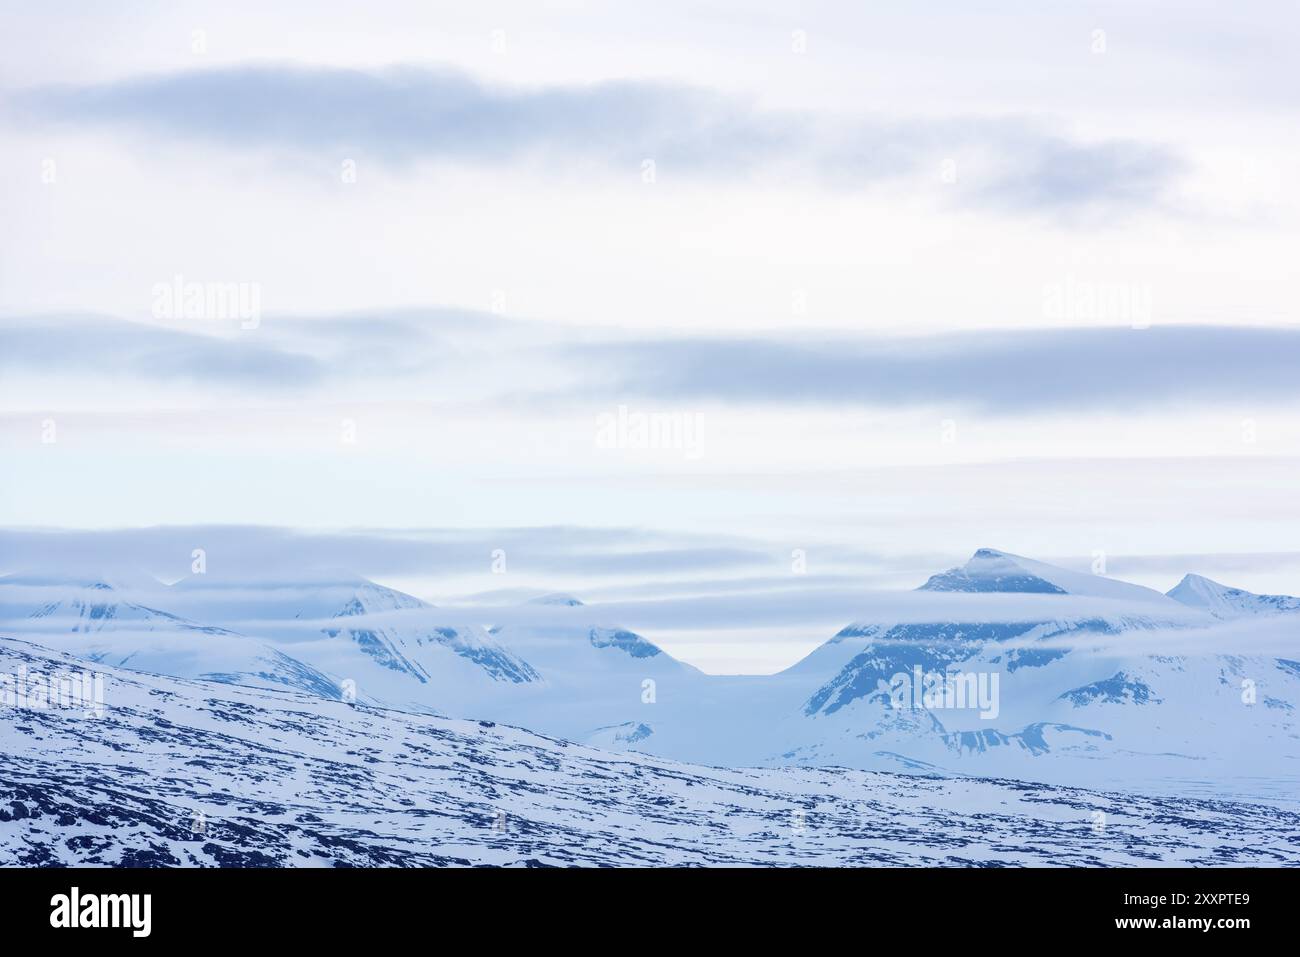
{"type": "Point", "coordinates": [1225, 602]}
{"type": "Point", "coordinates": [601, 684]}
{"type": "Point", "coordinates": [187, 773]}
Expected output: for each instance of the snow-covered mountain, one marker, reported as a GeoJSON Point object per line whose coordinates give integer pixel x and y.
{"type": "Point", "coordinates": [863, 655]}
{"type": "Point", "coordinates": [1122, 685]}
{"type": "Point", "coordinates": [990, 570]}
{"type": "Point", "coordinates": [1221, 601]}
{"type": "Point", "coordinates": [393, 648]}
{"type": "Point", "coordinates": [189, 773]}
{"type": "Point", "coordinates": [96, 621]}
{"type": "Point", "coordinates": [566, 671]}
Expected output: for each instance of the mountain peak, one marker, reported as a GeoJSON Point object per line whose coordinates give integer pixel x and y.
{"type": "Point", "coordinates": [993, 570]}
{"type": "Point", "coordinates": [1224, 601]}
{"type": "Point", "coordinates": [1193, 583]}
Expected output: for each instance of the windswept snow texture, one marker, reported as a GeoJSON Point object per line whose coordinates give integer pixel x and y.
{"type": "Point", "coordinates": [190, 773]}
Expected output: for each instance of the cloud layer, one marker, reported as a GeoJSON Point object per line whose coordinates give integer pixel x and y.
{"type": "Point", "coordinates": [404, 114]}
{"type": "Point", "coordinates": [1021, 372]}
{"type": "Point", "coordinates": [1028, 372]}
{"type": "Point", "coordinates": [249, 552]}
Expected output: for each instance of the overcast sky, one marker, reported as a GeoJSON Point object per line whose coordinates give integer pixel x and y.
{"type": "Point", "coordinates": [899, 280]}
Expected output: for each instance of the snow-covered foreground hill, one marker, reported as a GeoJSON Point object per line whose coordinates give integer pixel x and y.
{"type": "Point", "coordinates": [187, 772]}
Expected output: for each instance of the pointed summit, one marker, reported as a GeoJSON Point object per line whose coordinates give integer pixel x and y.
{"type": "Point", "coordinates": [1223, 601]}
{"type": "Point", "coordinates": [991, 570]}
